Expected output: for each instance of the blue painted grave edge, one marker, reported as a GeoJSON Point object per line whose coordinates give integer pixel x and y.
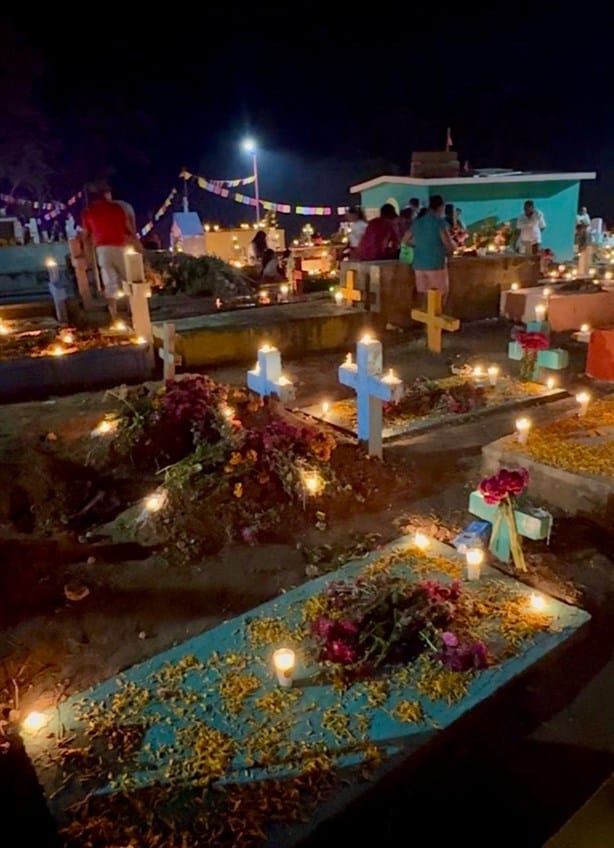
{"type": "Point", "coordinates": [392, 432]}
{"type": "Point", "coordinates": [480, 688]}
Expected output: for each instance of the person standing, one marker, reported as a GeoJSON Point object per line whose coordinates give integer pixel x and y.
{"type": "Point", "coordinates": [106, 225]}
{"type": "Point", "coordinates": [583, 228]}
{"type": "Point", "coordinates": [381, 239]}
{"type": "Point", "coordinates": [531, 225]}
{"type": "Point", "coordinates": [432, 245]}
{"type": "Point", "coordinates": [358, 225]}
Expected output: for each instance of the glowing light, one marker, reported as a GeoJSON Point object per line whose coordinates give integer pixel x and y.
{"type": "Point", "coordinates": [553, 275]}
{"type": "Point", "coordinates": [266, 348]}
{"type": "Point", "coordinates": [57, 350]}
{"type": "Point", "coordinates": [348, 359]}
{"type": "Point", "coordinates": [523, 425]}
{"type": "Point", "coordinates": [67, 337]}
{"type": "Point", "coordinates": [550, 383]}
{"type": "Point", "coordinates": [34, 721]}
{"type": "Point", "coordinates": [390, 377]}
{"type": "Point", "coordinates": [284, 289]}
{"type": "Point", "coordinates": [249, 145]}
{"type": "Point", "coordinates": [50, 263]}
{"type": "Point", "coordinates": [325, 407]}
{"type": "Point", "coordinates": [228, 412]}
{"type": "Point", "coordinates": [608, 275]}
{"type": "Point", "coordinates": [207, 228]}
{"type": "Point", "coordinates": [262, 294]}
{"type": "Point", "coordinates": [120, 293]}
{"type": "Point", "coordinates": [283, 381]}
{"type": "Point", "coordinates": [478, 371]}
{"type": "Point", "coordinates": [366, 339]}
{"type": "Point", "coordinates": [515, 286]}
{"type": "Point", "coordinates": [104, 427]}
{"type": "Point", "coordinates": [562, 269]}
{"type": "Point", "coordinates": [592, 272]}
{"type": "Point", "coordinates": [537, 602]}
{"type": "Point", "coordinates": [155, 501]}
{"type": "Point", "coordinates": [474, 558]}
{"type": "Point", "coordinates": [119, 325]}
{"type": "Point", "coordinates": [585, 328]}
{"type": "Point", "coordinates": [421, 541]}
{"type": "Point", "coordinates": [338, 298]}
{"type": "Point", "coordinates": [547, 291]}
{"type": "Point", "coordinates": [140, 340]}
{"type": "Point", "coordinates": [540, 311]}
{"type": "Point", "coordinates": [493, 375]}
{"type": "Point", "coordinates": [312, 482]}
{"type": "Point", "coordinates": [216, 228]}
{"type": "Point", "coordinates": [284, 661]}
{"type": "Point", "coordinates": [583, 399]}
{"type": "Point", "coordinates": [4, 328]}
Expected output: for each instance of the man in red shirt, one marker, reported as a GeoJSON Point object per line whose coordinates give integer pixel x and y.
{"type": "Point", "coordinates": [105, 222]}
{"type": "Point", "coordinates": [381, 238]}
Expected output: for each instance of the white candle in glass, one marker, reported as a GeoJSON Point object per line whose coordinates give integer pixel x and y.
{"type": "Point", "coordinates": [523, 425]}
{"type": "Point", "coordinates": [475, 558]}
{"type": "Point", "coordinates": [493, 375]}
{"type": "Point", "coordinates": [583, 399]}
{"type": "Point", "coordinates": [135, 272]}
{"type": "Point", "coordinates": [284, 661]}
{"type": "Point", "coordinates": [540, 312]}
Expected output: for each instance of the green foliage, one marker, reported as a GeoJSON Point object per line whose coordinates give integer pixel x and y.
{"type": "Point", "coordinates": [197, 275]}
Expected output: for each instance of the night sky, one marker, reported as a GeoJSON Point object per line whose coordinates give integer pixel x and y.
{"type": "Point", "coordinates": [333, 95]}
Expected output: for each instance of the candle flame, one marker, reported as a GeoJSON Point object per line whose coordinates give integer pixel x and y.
{"type": "Point", "coordinates": [57, 350]}
{"type": "Point", "coordinates": [119, 325]}
{"type": "Point", "coordinates": [51, 263]}
{"type": "Point", "coordinates": [34, 721]}
{"type": "Point", "coordinates": [366, 339]}
{"type": "Point", "coordinates": [4, 328]}
{"type": "Point", "coordinates": [67, 337]}
{"type": "Point", "coordinates": [515, 286]}
{"type": "Point", "coordinates": [421, 541]}
{"type": "Point", "coordinates": [550, 383]}
{"type": "Point", "coordinates": [338, 297]}
{"type": "Point", "coordinates": [155, 501]}
{"type": "Point", "coordinates": [474, 556]}
{"type": "Point", "coordinates": [537, 602]}
{"type": "Point", "coordinates": [523, 424]}
{"type": "Point", "coordinates": [325, 407]}
{"type": "Point", "coordinates": [585, 328]}
{"type": "Point", "coordinates": [284, 660]}
{"type": "Point", "coordinates": [107, 425]}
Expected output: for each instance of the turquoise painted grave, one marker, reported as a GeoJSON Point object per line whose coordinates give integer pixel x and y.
{"type": "Point", "coordinates": [554, 358]}
{"type": "Point", "coordinates": [180, 689]}
{"type": "Point", "coordinates": [492, 198]}
{"type": "Point", "coordinates": [535, 524]}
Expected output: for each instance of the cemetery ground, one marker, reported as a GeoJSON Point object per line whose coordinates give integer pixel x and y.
{"type": "Point", "coordinates": [91, 585]}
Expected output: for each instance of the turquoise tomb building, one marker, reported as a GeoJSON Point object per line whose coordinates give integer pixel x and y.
{"type": "Point", "coordinates": [493, 196]}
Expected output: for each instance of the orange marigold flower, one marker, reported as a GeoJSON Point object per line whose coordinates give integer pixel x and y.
{"type": "Point", "coordinates": [251, 456]}
{"type": "Point", "coordinates": [238, 490]}
{"type": "Point", "coordinates": [236, 458]}
{"type": "Point", "coordinates": [263, 478]}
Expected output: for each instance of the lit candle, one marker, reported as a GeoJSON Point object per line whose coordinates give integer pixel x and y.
{"type": "Point", "coordinates": [583, 399]}
{"type": "Point", "coordinates": [140, 340]}
{"type": "Point", "coordinates": [390, 377]}
{"type": "Point", "coordinates": [475, 558]}
{"type": "Point", "coordinates": [283, 381]}
{"type": "Point", "coordinates": [553, 275]}
{"type": "Point", "coordinates": [52, 268]}
{"type": "Point", "coordinates": [119, 326]}
{"type": "Point", "coordinates": [493, 375]}
{"type": "Point", "coordinates": [266, 348]}
{"type": "Point", "coordinates": [540, 311]}
{"type": "Point", "coordinates": [312, 482]}
{"type": "Point", "coordinates": [523, 425]}
{"type": "Point", "coordinates": [592, 272]}
{"type": "Point", "coordinates": [607, 275]}
{"type": "Point", "coordinates": [284, 289]}
{"type": "Point", "coordinates": [104, 427]}
{"type": "Point", "coordinates": [477, 372]}
{"type": "Point", "coordinates": [348, 359]}
{"type": "Point", "coordinates": [155, 501]}
{"type": "Point", "coordinates": [135, 272]}
{"type": "Point", "coordinates": [262, 294]}
{"type": "Point", "coordinates": [34, 721]}
{"type": "Point", "coordinates": [284, 661]}
{"type": "Point", "coordinates": [338, 298]}
{"type": "Point", "coordinates": [325, 407]}
{"type": "Point", "coordinates": [515, 286]}
{"type": "Point", "coordinates": [421, 541]}
{"type": "Point", "coordinates": [537, 602]}
{"type": "Point", "coordinates": [228, 412]}
{"type": "Point", "coordinates": [4, 328]}
{"type": "Point", "coordinates": [585, 328]}
{"type": "Point", "coordinates": [550, 383]}
{"type": "Point", "coordinates": [366, 339]}
{"type": "Point", "coordinates": [561, 269]}
{"type": "Point", "coordinates": [67, 337]}
{"type": "Point", "coordinates": [57, 350]}
{"type": "Point", "coordinates": [547, 291]}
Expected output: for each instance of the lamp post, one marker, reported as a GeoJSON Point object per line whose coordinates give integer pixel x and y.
{"type": "Point", "coordinates": [249, 145]}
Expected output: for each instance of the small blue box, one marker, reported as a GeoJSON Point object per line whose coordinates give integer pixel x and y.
{"type": "Point", "coordinates": [474, 535]}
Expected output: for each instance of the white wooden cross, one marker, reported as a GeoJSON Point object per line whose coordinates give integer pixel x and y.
{"type": "Point", "coordinates": [138, 292]}
{"type": "Point", "coordinates": [167, 351]}
{"type": "Point", "coordinates": [266, 378]}
{"type": "Point", "coordinates": [372, 388]}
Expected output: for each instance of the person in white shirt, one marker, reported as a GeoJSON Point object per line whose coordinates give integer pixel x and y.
{"type": "Point", "coordinates": [358, 225]}
{"type": "Point", "coordinates": [531, 224]}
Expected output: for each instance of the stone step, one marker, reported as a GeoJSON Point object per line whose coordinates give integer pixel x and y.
{"type": "Point", "coordinates": [592, 826]}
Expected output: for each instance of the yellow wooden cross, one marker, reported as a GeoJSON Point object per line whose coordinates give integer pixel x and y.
{"type": "Point", "coordinates": [348, 291]}
{"type": "Point", "coordinates": [434, 320]}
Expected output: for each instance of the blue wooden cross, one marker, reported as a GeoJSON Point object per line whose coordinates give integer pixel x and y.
{"type": "Point", "coordinates": [534, 524]}
{"type": "Point", "coordinates": [372, 388]}
{"type": "Point", "coordinates": [266, 378]}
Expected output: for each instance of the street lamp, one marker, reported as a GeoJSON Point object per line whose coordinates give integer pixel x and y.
{"type": "Point", "coordinates": [249, 146]}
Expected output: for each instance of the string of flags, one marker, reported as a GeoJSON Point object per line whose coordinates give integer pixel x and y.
{"type": "Point", "coordinates": [234, 183]}
{"type": "Point", "coordinates": [148, 227]}
{"type": "Point", "coordinates": [219, 187]}
{"type": "Point", "coordinates": [53, 206]}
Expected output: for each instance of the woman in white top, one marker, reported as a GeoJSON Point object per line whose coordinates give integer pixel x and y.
{"type": "Point", "coordinates": [358, 225]}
